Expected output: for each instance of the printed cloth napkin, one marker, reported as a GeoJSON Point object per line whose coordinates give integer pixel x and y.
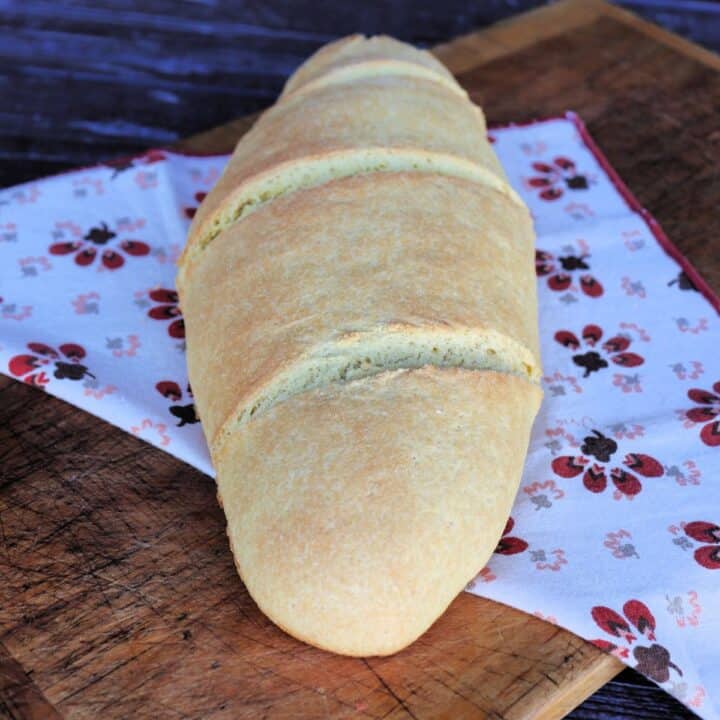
{"type": "Point", "coordinates": [615, 533]}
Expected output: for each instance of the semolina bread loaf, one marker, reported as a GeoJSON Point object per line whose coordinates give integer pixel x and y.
{"type": "Point", "coordinates": [361, 320]}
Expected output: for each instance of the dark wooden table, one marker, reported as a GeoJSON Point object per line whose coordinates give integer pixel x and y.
{"type": "Point", "coordinates": [70, 487]}
{"type": "Point", "coordinates": [176, 67]}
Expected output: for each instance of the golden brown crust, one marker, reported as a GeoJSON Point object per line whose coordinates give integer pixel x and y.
{"type": "Point", "coordinates": [357, 512]}
{"type": "Point", "coordinates": [339, 262]}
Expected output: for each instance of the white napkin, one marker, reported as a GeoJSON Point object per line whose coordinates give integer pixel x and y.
{"type": "Point", "coordinates": [615, 533]}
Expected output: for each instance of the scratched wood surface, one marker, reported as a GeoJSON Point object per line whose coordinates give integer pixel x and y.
{"type": "Point", "coordinates": [118, 597]}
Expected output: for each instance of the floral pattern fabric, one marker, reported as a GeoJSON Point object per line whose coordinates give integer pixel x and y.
{"type": "Point", "coordinates": [615, 532]}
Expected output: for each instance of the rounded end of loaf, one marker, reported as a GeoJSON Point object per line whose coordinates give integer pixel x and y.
{"type": "Point", "coordinates": [369, 70]}
{"type": "Point", "coordinates": [353, 95]}
{"type": "Point", "coordinates": [358, 511]}
{"type": "Point", "coordinates": [357, 49]}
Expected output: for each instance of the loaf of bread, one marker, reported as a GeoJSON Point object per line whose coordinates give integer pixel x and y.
{"type": "Point", "coordinates": [360, 309]}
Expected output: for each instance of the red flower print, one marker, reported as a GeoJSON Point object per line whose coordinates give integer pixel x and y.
{"type": "Point", "coordinates": [592, 360]}
{"type": "Point", "coordinates": [559, 271]}
{"type": "Point", "coordinates": [66, 359]}
{"type": "Point", "coordinates": [555, 178]}
{"type": "Point", "coordinates": [653, 661]}
{"type": "Point", "coordinates": [707, 412]}
{"type": "Point", "coordinates": [705, 532]}
{"type": "Point", "coordinates": [185, 413]}
{"type": "Point", "coordinates": [615, 624]}
{"type": "Point", "coordinates": [119, 165]}
{"type": "Point", "coordinates": [190, 211]}
{"type": "Point", "coordinates": [86, 249]}
{"type": "Point", "coordinates": [510, 545]}
{"type": "Point", "coordinates": [597, 452]}
{"type": "Point", "coordinates": [168, 310]}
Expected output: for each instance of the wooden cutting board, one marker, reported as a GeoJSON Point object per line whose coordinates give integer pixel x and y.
{"type": "Point", "coordinates": [118, 595]}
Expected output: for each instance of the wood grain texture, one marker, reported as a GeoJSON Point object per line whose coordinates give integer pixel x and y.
{"type": "Point", "coordinates": [174, 68]}
{"type": "Point", "coordinates": [560, 18]}
{"type": "Point", "coordinates": [122, 600]}
{"type": "Point", "coordinates": [19, 696]}
{"type": "Point", "coordinates": [118, 597]}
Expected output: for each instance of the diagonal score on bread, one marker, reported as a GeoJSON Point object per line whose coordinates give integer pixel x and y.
{"type": "Point", "coordinates": [359, 300]}
{"type": "Point", "coordinates": [308, 172]}
{"type": "Point", "coordinates": [357, 512]}
{"type": "Point", "coordinates": [361, 355]}
{"type": "Point", "coordinates": [344, 279]}
{"type": "Point", "coordinates": [384, 111]}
